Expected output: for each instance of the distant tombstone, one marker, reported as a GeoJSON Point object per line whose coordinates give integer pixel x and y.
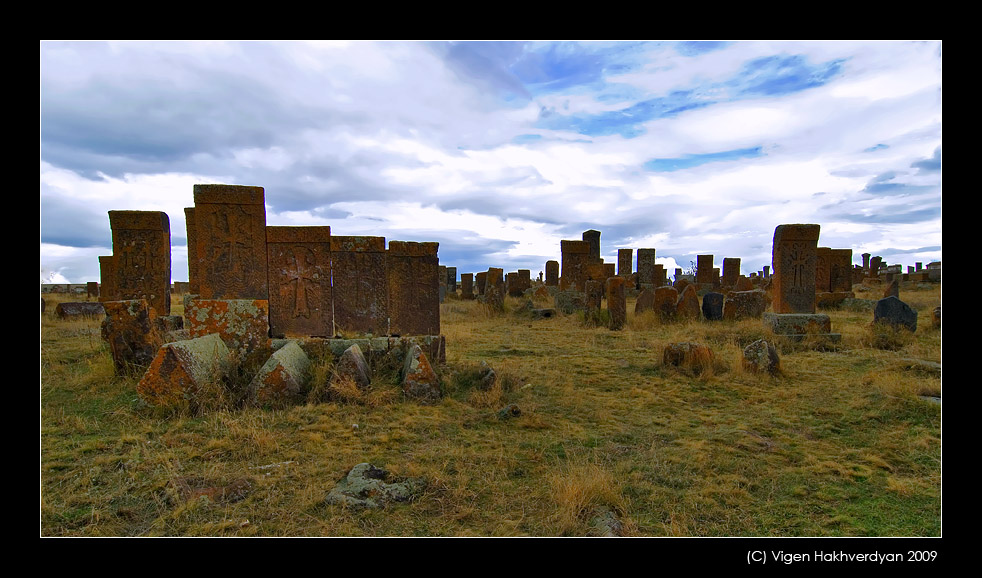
{"type": "Point", "coordinates": [659, 277]}
{"type": "Point", "coordinates": [616, 302]}
{"type": "Point", "coordinates": [646, 264]}
{"type": "Point", "coordinates": [918, 265]}
{"type": "Point", "coordinates": [704, 269]}
{"type": "Point", "coordinates": [840, 270]}
{"type": "Point", "coordinates": [743, 284]}
{"type": "Point", "coordinates": [594, 290]}
{"type": "Point", "coordinates": [442, 275]}
{"type": "Point", "coordinates": [192, 233]}
{"type": "Point", "coordinates": [230, 221]}
{"type": "Point", "coordinates": [414, 302]}
{"type": "Point", "coordinates": [141, 255]}
{"type": "Point", "coordinates": [666, 299]}
{"type": "Point", "coordinates": [592, 237]}
{"type": "Point", "coordinates": [712, 306]}
{"type": "Point", "coordinates": [361, 293]}
{"type": "Point", "coordinates": [731, 271]}
{"type": "Point", "coordinates": [480, 280]}
{"type": "Point", "coordinates": [745, 305]}
{"type": "Point", "coordinates": [625, 262]}
{"type": "Point", "coordinates": [495, 278]}
{"type": "Point", "coordinates": [823, 257]}
{"type": "Point", "coordinates": [107, 278]}
{"type": "Point", "coordinates": [92, 289]}
{"type": "Point", "coordinates": [893, 289]}
{"type": "Point", "coordinates": [767, 271]}
{"type": "Point", "coordinates": [300, 295]}
{"type": "Point", "coordinates": [467, 285]}
{"type": "Point", "coordinates": [645, 301]}
{"type": "Point", "coordinates": [794, 257]}
{"type": "Point", "coordinates": [524, 279]}
{"type": "Point", "coordinates": [452, 279]}
{"type": "Point", "coordinates": [678, 274]}
{"type": "Point", "coordinates": [512, 285]}
{"type": "Point", "coordinates": [575, 256]}
{"type": "Point", "coordinates": [866, 257]}
{"type": "Point", "coordinates": [552, 273]}
{"type": "Point", "coordinates": [874, 266]}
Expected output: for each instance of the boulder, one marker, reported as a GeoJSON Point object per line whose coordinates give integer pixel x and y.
{"type": "Point", "coordinates": [761, 357]}
{"type": "Point", "coordinates": [419, 381]}
{"type": "Point", "coordinates": [895, 312]}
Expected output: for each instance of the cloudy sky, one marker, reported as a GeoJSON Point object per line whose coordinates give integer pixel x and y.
{"type": "Point", "coordinates": [499, 150]}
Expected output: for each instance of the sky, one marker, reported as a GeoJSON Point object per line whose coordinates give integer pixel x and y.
{"type": "Point", "coordinates": [500, 150]}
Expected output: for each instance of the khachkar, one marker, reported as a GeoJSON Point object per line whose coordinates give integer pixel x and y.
{"type": "Point", "coordinates": [414, 288]}
{"type": "Point", "coordinates": [575, 258]}
{"type": "Point", "coordinates": [107, 278]}
{"type": "Point", "coordinates": [593, 238]}
{"type": "Point", "coordinates": [230, 221]}
{"type": "Point", "coordinates": [731, 271]}
{"type": "Point", "coordinates": [552, 273]}
{"type": "Point", "coordinates": [361, 292]}
{"type": "Point", "coordinates": [625, 261]}
{"type": "Point", "coordinates": [300, 296]}
{"type": "Point", "coordinates": [704, 269]}
{"type": "Point", "coordinates": [646, 267]}
{"type": "Point", "coordinates": [192, 250]}
{"type": "Point", "coordinates": [141, 258]}
{"type": "Point", "coordinates": [795, 257]}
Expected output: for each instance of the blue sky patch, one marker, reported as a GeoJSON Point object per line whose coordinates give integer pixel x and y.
{"type": "Point", "coordinates": [690, 161]}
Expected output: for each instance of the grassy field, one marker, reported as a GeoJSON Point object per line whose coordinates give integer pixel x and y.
{"type": "Point", "coordinates": [608, 440]}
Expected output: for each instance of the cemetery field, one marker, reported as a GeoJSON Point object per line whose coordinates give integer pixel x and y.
{"type": "Point", "coordinates": [598, 437]}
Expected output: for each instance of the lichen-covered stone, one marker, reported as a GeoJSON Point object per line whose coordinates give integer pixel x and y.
{"type": "Point", "coordinates": [666, 299]}
{"type": "Point", "coordinates": [745, 305]}
{"type": "Point", "coordinates": [243, 324]}
{"type": "Point", "coordinates": [133, 335]}
{"type": "Point", "coordinates": [283, 380]}
{"type": "Point", "coordinates": [798, 323]}
{"type": "Point", "coordinates": [187, 373]}
{"type": "Point", "coordinates": [365, 486]}
{"type": "Point", "coordinates": [761, 357]}
{"type": "Point", "coordinates": [570, 301]}
{"type": "Point", "coordinates": [419, 380]}
{"type": "Point", "coordinates": [353, 366]}
{"type": "Point", "coordinates": [79, 309]}
{"type": "Point", "coordinates": [616, 302]}
{"type": "Point", "coordinates": [895, 312]}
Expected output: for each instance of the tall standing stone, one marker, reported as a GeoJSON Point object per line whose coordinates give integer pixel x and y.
{"type": "Point", "coordinates": [646, 266]}
{"type": "Point", "coordinates": [840, 270]}
{"type": "Point", "coordinates": [107, 278]}
{"type": "Point", "coordinates": [552, 273]}
{"type": "Point", "coordinates": [452, 279]}
{"type": "Point", "coordinates": [731, 271]}
{"type": "Point", "coordinates": [625, 262]}
{"type": "Point", "coordinates": [300, 295]}
{"type": "Point", "coordinates": [874, 266]}
{"type": "Point", "coordinates": [575, 257]}
{"type": "Point", "coordinates": [361, 292]}
{"type": "Point", "coordinates": [481, 280]}
{"type": "Point", "coordinates": [704, 269]}
{"type": "Point", "coordinates": [593, 238]}
{"type": "Point", "coordinates": [616, 302]}
{"type": "Point", "coordinates": [823, 269]}
{"type": "Point", "coordinates": [141, 252]}
{"type": "Point", "coordinates": [192, 232]}
{"type": "Point", "coordinates": [794, 257]}
{"type": "Point", "coordinates": [414, 298]}
{"type": "Point", "coordinates": [467, 285]}
{"type": "Point", "coordinates": [92, 289]}
{"type": "Point", "coordinates": [659, 275]}
{"type": "Point", "coordinates": [231, 241]}
{"type": "Point", "coordinates": [524, 279]}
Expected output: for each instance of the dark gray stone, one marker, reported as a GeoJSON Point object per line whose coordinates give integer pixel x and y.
{"type": "Point", "coordinates": [712, 306]}
{"type": "Point", "coordinates": [895, 312]}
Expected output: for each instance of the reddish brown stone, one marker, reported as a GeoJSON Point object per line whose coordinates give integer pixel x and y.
{"type": "Point", "coordinates": [694, 357]}
{"type": "Point", "coordinates": [141, 252]}
{"type": "Point", "coordinates": [300, 296]}
{"type": "Point", "coordinates": [283, 380]}
{"type": "Point", "coordinates": [823, 271]}
{"type": "Point", "coordinates": [616, 302]}
{"type": "Point", "coordinates": [243, 324]}
{"type": "Point", "coordinates": [361, 293]}
{"type": "Point", "coordinates": [704, 269]}
{"type": "Point", "coordinates": [645, 301]}
{"type": "Point", "coordinates": [646, 267]}
{"type": "Point", "coordinates": [745, 305]}
{"type": "Point", "coordinates": [592, 237]}
{"type": "Point", "coordinates": [187, 374]}
{"type": "Point", "coordinates": [132, 334]}
{"type": "Point", "coordinates": [192, 233]}
{"type": "Point", "coordinates": [419, 380]}
{"type": "Point", "coordinates": [575, 256]}
{"type": "Point", "coordinates": [467, 285]}
{"type": "Point", "coordinates": [731, 271]}
{"type": "Point", "coordinates": [92, 289]}
{"type": "Point", "coordinates": [481, 280]}
{"type": "Point", "coordinates": [840, 270]}
{"type": "Point", "coordinates": [230, 221]}
{"type": "Point", "coordinates": [69, 310]}
{"type": "Point", "coordinates": [107, 278]}
{"type": "Point", "coordinates": [594, 291]}
{"type": "Point", "coordinates": [794, 258]}
{"type": "Point", "coordinates": [687, 307]}
{"type": "Point", "coordinates": [552, 273]}
{"type": "Point", "coordinates": [414, 288]}
{"type": "Point", "coordinates": [666, 299]}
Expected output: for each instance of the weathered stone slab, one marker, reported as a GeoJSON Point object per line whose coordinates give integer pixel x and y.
{"type": "Point", "coordinates": [666, 299]}
{"type": "Point", "coordinates": [192, 232]}
{"type": "Point", "coordinates": [243, 324]}
{"type": "Point", "coordinates": [300, 292]}
{"type": "Point", "coordinates": [625, 262]}
{"type": "Point", "coordinates": [467, 285]}
{"type": "Point", "coordinates": [570, 301]}
{"type": "Point", "coordinates": [823, 269]}
{"type": "Point", "coordinates": [893, 311]}
{"type": "Point", "coordinates": [608, 271]}
{"type": "Point", "coordinates": [283, 380]}
{"type": "Point", "coordinates": [840, 271]}
{"type": "Point", "coordinates": [524, 280]}
{"type": "Point", "coordinates": [794, 257]}
{"type": "Point", "coordinates": [187, 373]}
{"type": "Point", "coordinates": [616, 302]}
{"type": "Point", "coordinates": [107, 278]}
{"type": "Point", "coordinates": [511, 284]}
{"type": "Point", "coordinates": [353, 366]}
{"type": "Point", "coordinates": [92, 289]}
{"type": "Point", "coordinates": [745, 304]}
{"type": "Point", "coordinates": [419, 381]}
{"type": "Point", "coordinates": [451, 278]}
{"type": "Point", "coordinates": [414, 298]}
{"type": "Point", "coordinates": [645, 301]}
{"type": "Point", "coordinates": [731, 271]}
{"type": "Point", "coordinates": [481, 280]}
{"type": "Point", "coordinates": [592, 237]}
{"type": "Point", "coordinates": [552, 273]}
{"type": "Point", "coordinates": [80, 309]}
{"type": "Point", "coordinates": [594, 291]}
{"type": "Point", "coordinates": [575, 256]}
{"type": "Point", "coordinates": [704, 269]}
{"type": "Point", "coordinates": [132, 334]}
{"type": "Point", "coordinates": [646, 267]}
{"type": "Point", "coordinates": [361, 292]}
{"type": "Point", "coordinates": [712, 306]}
{"type": "Point", "coordinates": [798, 323]}
{"type": "Point", "coordinates": [687, 307]}
{"type": "Point", "coordinates": [230, 221]}
{"type": "Point", "coordinates": [141, 252]}
{"type": "Point", "coordinates": [761, 357]}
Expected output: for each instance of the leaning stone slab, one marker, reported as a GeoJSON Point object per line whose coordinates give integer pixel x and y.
{"type": "Point", "coordinates": [798, 323]}
{"type": "Point", "coordinates": [283, 380]}
{"type": "Point", "coordinates": [895, 312]}
{"type": "Point", "coordinates": [365, 486]}
{"type": "Point", "coordinates": [419, 381]}
{"type": "Point", "coordinates": [712, 306]}
{"type": "Point", "coordinates": [687, 306]}
{"type": "Point", "coordinates": [353, 365]}
{"type": "Point", "coordinates": [187, 373]}
{"type": "Point", "coordinates": [132, 333]}
{"type": "Point", "coordinates": [81, 309]}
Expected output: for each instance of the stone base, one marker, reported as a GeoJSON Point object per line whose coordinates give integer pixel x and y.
{"type": "Point", "coordinates": [797, 326]}
{"type": "Point", "coordinates": [832, 299]}
{"type": "Point", "coordinates": [434, 346]}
